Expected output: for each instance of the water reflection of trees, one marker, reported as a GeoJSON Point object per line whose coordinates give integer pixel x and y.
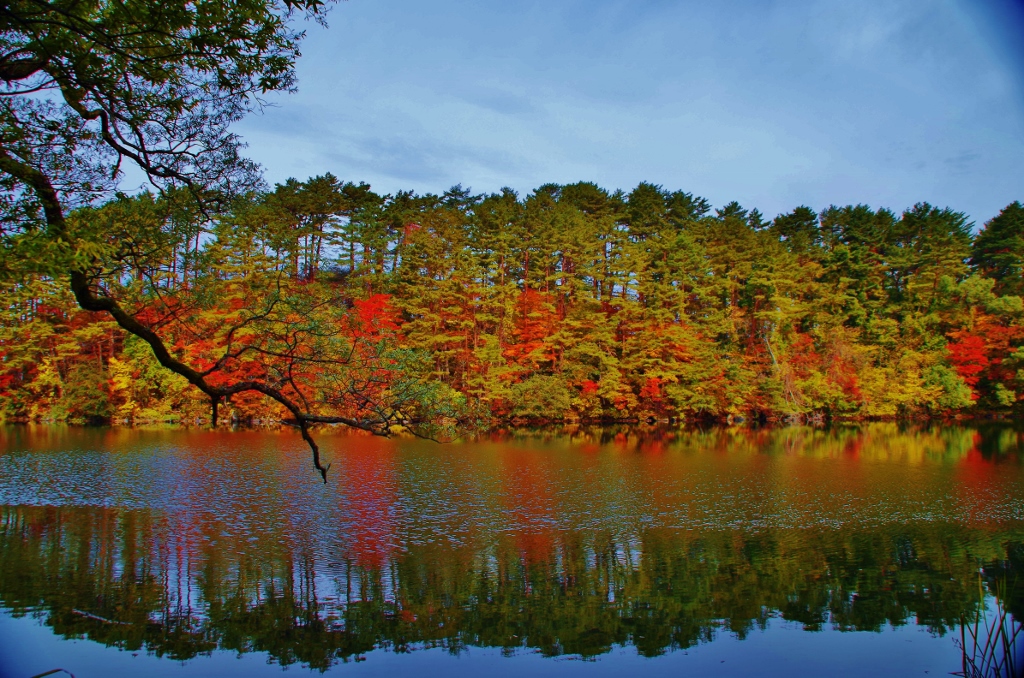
{"type": "Point", "coordinates": [125, 578]}
{"type": "Point", "coordinates": [903, 440]}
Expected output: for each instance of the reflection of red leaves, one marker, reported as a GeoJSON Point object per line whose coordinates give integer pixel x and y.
{"type": "Point", "coordinates": [535, 547]}
{"type": "Point", "coordinates": [529, 504]}
{"type": "Point", "coordinates": [370, 504]}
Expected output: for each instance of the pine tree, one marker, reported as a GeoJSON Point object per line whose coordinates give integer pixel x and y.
{"type": "Point", "coordinates": [998, 250]}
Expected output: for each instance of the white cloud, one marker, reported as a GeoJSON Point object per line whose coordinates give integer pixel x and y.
{"type": "Point", "coordinates": [772, 104]}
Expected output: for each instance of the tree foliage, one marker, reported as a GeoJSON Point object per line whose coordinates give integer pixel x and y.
{"type": "Point", "coordinates": [568, 302]}
{"type": "Point", "coordinates": [339, 305]}
{"type": "Point", "coordinates": [87, 86]}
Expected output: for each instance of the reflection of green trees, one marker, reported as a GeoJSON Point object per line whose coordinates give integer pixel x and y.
{"type": "Point", "coordinates": [905, 441]}
{"type": "Point", "coordinates": [78, 568]}
{"type": "Point", "coordinates": [117, 578]}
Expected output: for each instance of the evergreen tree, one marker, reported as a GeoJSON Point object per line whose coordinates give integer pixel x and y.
{"type": "Point", "coordinates": [998, 250]}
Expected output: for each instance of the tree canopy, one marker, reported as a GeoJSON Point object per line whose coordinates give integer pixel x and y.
{"type": "Point", "coordinates": [341, 305]}
{"type": "Point", "coordinates": [87, 87]}
{"type": "Point", "coordinates": [570, 302]}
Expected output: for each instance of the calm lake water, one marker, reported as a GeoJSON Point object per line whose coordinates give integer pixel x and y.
{"type": "Point", "coordinates": [874, 550]}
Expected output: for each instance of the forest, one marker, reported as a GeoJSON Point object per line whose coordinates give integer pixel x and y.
{"type": "Point", "coordinates": [572, 302]}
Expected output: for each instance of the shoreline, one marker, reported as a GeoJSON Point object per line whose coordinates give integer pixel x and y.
{"type": "Point", "coordinates": [499, 424]}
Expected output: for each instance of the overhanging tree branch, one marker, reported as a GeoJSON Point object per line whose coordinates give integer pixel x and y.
{"type": "Point", "coordinates": [88, 299]}
{"type": "Point", "coordinates": [157, 84]}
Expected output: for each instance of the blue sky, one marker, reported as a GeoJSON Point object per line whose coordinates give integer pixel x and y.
{"type": "Point", "coordinates": [772, 104]}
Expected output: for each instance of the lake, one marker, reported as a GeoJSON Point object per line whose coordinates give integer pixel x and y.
{"type": "Point", "coordinates": [882, 549]}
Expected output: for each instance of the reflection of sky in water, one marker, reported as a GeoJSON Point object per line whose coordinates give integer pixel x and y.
{"type": "Point", "coordinates": [704, 527]}
{"type": "Point", "coordinates": [904, 651]}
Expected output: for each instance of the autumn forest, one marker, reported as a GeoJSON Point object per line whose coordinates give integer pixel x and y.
{"type": "Point", "coordinates": [571, 302]}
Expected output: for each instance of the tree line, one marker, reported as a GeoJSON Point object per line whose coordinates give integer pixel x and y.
{"type": "Point", "coordinates": [329, 304]}
{"type": "Point", "coordinates": [570, 302]}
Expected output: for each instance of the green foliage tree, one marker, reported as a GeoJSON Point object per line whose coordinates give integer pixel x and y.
{"type": "Point", "coordinates": [998, 251]}
{"type": "Point", "coordinates": [636, 305]}
{"type": "Point", "coordinates": [86, 87]}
